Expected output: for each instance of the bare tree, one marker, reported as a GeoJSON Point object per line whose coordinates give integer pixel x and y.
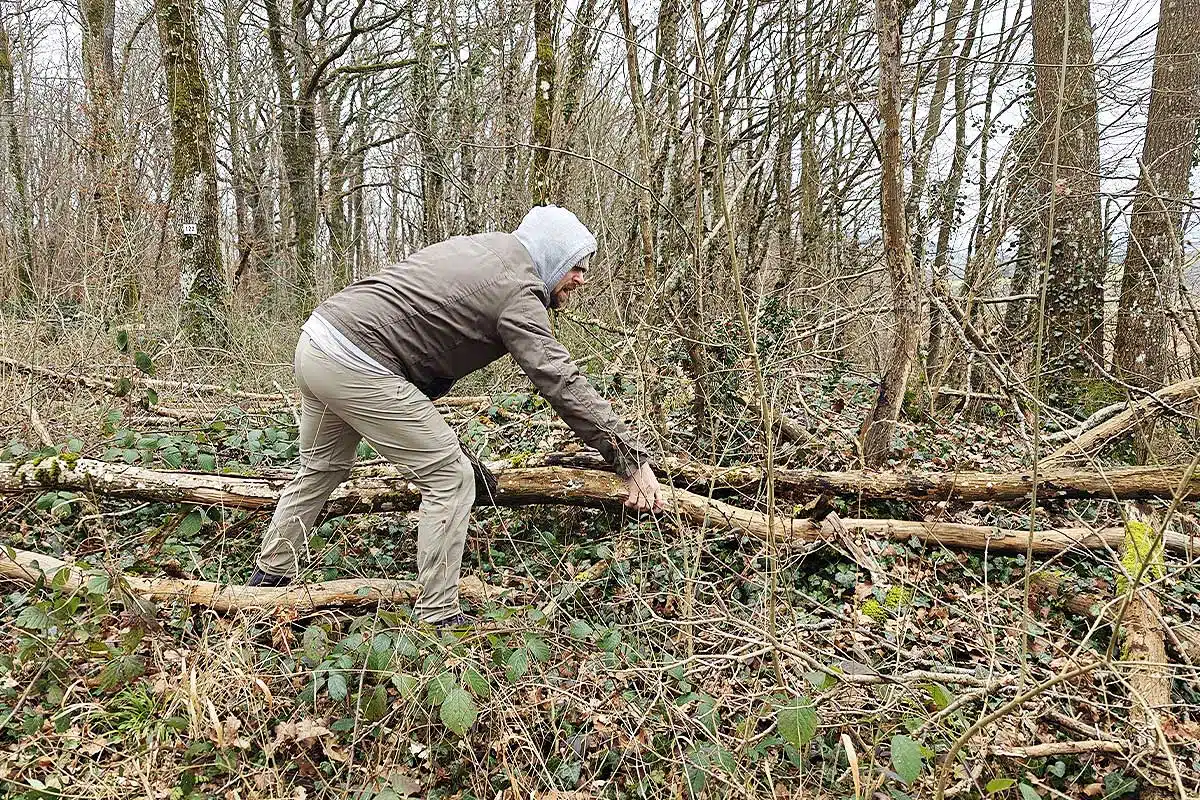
{"type": "Point", "coordinates": [543, 102]}
{"type": "Point", "coordinates": [193, 176]}
{"type": "Point", "coordinates": [16, 168]}
{"type": "Point", "coordinates": [876, 433]}
{"type": "Point", "coordinates": [112, 195]}
{"type": "Point", "coordinates": [1153, 260]}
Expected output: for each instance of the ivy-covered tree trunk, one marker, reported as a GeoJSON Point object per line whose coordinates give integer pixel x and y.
{"type": "Point", "coordinates": [876, 432]}
{"type": "Point", "coordinates": [110, 174]}
{"type": "Point", "coordinates": [1069, 187]}
{"type": "Point", "coordinates": [1153, 262]}
{"type": "Point", "coordinates": [16, 168]}
{"type": "Point", "coordinates": [193, 177]}
{"type": "Point", "coordinates": [543, 102]}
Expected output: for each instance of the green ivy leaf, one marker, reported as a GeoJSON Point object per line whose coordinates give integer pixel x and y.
{"type": "Point", "coordinates": [34, 618]}
{"type": "Point", "coordinates": [610, 640]}
{"type": "Point", "coordinates": [438, 688]}
{"type": "Point", "coordinates": [516, 665]}
{"type": "Point", "coordinates": [906, 758]}
{"type": "Point", "coordinates": [478, 683]}
{"type": "Point", "coordinates": [940, 695]}
{"type": "Point", "coordinates": [316, 643]}
{"type": "Point", "coordinates": [999, 785]}
{"type": "Point", "coordinates": [1028, 792]}
{"type": "Point", "coordinates": [537, 648]}
{"type": "Point", "coordinates": [120, 671]}
{"type": "Point", "coordinates": [206, 462]}
{"type": "Point", "coordinates": [458, 710]}
{"type": "Point", "coordinates": [143, 362]}
{"type": "Point", "coordinates": [376, 706]}
{"type": "Point", "coordinates": [336, 686]}
{"type": "Point", "coordinates": [579, 629]}
{"type": "Point", "coordinates": [151, 397]}
{"type": "Point", "coordinates": [123, 340]}
{"type": "Point", "coordinates": [189, 526]}
{"type": "Point", "coordinates": [405, 684]}
{"type": "Point", "coordinates": [797, 722]}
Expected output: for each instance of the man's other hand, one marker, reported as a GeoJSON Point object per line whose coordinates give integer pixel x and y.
{"type": "Point", "coordinates": [644, 492]}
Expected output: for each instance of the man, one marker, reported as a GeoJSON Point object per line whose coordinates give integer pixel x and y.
{"type": "Point", "coordinates": [371, 358]}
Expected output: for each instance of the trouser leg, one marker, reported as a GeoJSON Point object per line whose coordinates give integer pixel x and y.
{"type": "Point", "coordinates": [327, 450]}
{"type": "Point", "coordinates": [404, 427]}
{"type": "Point", "coordinates": [447, 495]}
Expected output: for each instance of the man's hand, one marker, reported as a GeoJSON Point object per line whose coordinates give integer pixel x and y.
{"type": "Point", "coordinates": [644, 492]}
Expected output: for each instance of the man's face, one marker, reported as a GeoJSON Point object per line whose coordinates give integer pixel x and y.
{"type": "Point", "coordinates": [575, 278]}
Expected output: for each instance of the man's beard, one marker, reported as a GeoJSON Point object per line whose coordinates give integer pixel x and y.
{"type": "Point", "coordinates": [559, 299]}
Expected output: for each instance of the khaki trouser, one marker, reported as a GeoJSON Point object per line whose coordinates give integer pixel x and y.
{"type": "Point", "coordinates": [340, 406]}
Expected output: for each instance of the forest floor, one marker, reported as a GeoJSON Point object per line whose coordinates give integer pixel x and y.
{"type": "Point", "coordinates": [627, 657]}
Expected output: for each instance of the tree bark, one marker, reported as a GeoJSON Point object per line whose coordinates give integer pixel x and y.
{"type": "Point", "coordinates": [933, 126]}
{"type": "Point", "coordinates": [1055, 484]}
{"type": "Point", "coordinates": [1144, 646]}
{"type": "Point", "coordinates": [16, 168]}
{"type": "Point", "coordinates": [298, 140]}
{"type": "Point", "coordinates": [948, 203]}
{"type": "Point", "coordinates": [110, 172]}
{"type": "Point", "coordinates": [876, 432]}
{"type": "Point", "coordinates": [193, 177]}
{"type": "Point", "coordinates": [1153, 261]}
{"type": "Point", "coordinates": [383, 489]}
{"type": "Point", "coordinates": [543, 103]}
{"type": "Point", "coordinates": [29, 568]}
{"type": "Point", "coordinates": [1185, 639]}
{"type": "Point", "coordinates": [1069, 168]}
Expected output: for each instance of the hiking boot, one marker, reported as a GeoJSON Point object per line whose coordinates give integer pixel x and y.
{"type": "Point", "coordinates": [459, 621]}
{"type": "Point", "coordinates": [267, 579]}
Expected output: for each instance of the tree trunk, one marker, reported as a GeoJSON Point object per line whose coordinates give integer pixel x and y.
{"type": "Point", "coordinates": [1069, 188]}
{"type": "Point", "coordinates": [298, 141]}
{"type": "Point", "coordinates": [876, 432]}
{"type": "Point", "coordinates": [1089, 442]}
{"type": "Point", "coordinates": [110, 174]}
{"type": "Point", "coordinates": [32, 568]}
{"type": "Point", "coordinates": [425, 106]}
{"type": "Point", "coordinates": [16, 168]}
{"type": "Point", "coordinates": [193, 177]}
{"type": "Point", "coordinates": [335, 187]}
{"type": "Point", "coordinates": [641, 128]}
{"type": "Point", "coordinates": [948, 202]}
{"type": "Point", "coordinates": [244, 236]}
{"type": "Point", "coordinates": [1153, 262]}
{"type": "Point", "coordinates": [543, 103]}
{"type": "Point", "coordinates": [933, 126]}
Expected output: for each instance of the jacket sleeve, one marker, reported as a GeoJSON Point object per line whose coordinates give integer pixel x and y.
{"type": "Point", "coordinates": [524, 328]}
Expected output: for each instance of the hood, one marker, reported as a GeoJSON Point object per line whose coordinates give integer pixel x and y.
{"type": "Point", "coordinates": [556, 240]}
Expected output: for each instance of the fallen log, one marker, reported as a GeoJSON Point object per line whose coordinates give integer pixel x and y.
{"type": "Point", "coordinates": [1093, 440]}
{"type": "Point", "coordinates": [1184, 639]}
{"type": "Point", "coordinates": [26, 567]}
{"type": "Point", "coordinates": [1126, 483]}
{"type": "Point", "coordinates": [118, 386]}
{"type": "Point", "coordinates": [383, 489]}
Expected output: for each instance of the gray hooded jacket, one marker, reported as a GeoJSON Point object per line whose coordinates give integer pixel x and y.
{"type": "Point", "coordinates": [455, 307]}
